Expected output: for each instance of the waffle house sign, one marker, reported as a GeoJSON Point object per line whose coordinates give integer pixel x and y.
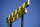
{"type": "Point", "coordinates": [18, 13]}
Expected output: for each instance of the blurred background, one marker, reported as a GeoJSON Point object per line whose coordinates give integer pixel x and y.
{"type": "Point", "coordinates": [31, 19]}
